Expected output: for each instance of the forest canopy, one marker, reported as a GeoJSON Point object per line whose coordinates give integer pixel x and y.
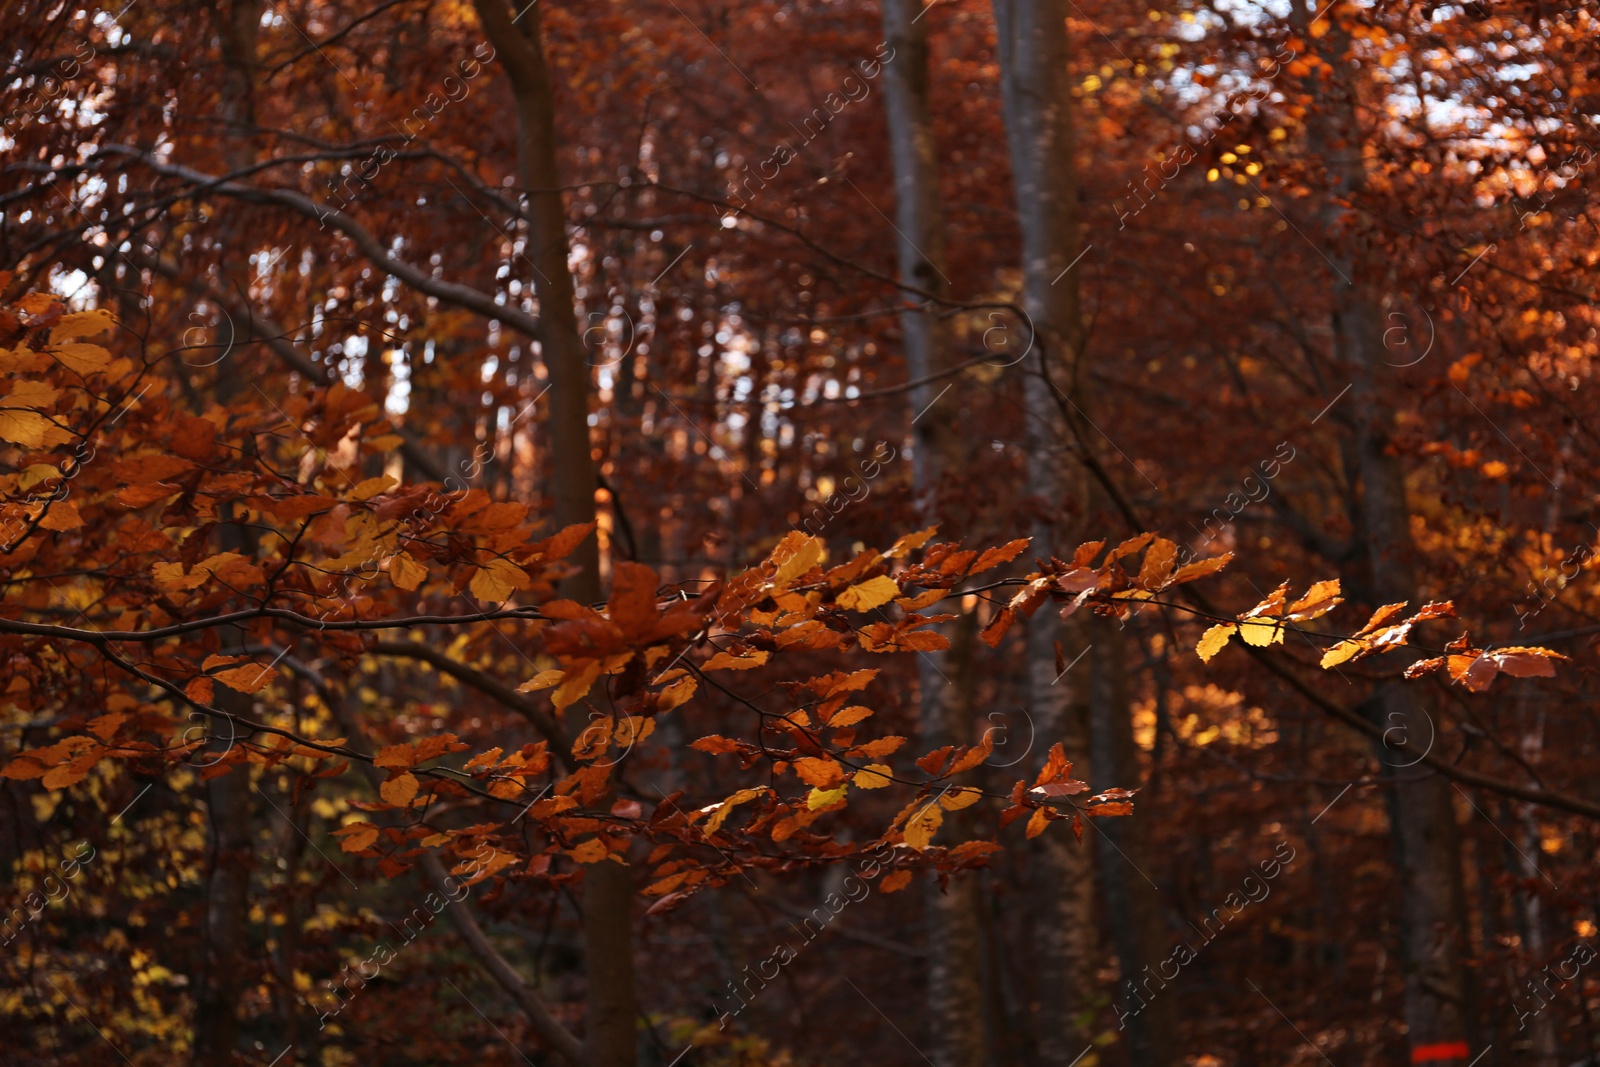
{"type": "Point", "coordinates": [789, 533]}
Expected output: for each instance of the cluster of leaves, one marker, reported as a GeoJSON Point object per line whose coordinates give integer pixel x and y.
{"type": "Point", "coordinates": [1476, 668]}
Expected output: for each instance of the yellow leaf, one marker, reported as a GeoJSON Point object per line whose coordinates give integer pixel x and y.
{"type": "Point", "coordinates": [35, 473]}
{"type": "Point", "coordinates": [405, 572]}
{"type": "Point", "coordinates": [677, 693]}
{"type": "Point", "coordinates": [869, 594]}
{"type": "Point", "coordinates": [84, 358]}
{"type": "Point", "coordinates": [1320, 599]}
{"type": "Point", "coordinates": [399, 791]}
{"type": "Point", "coordinates": [1037, 823]}
{"type": "Point", "coordinates": [80, 324]}
{"type": "Point", "coordinates": [796, 554]}
{"type": "Point", "coordinates": [923, 825]}
{"type": "Point", "coordinates": [1344, 650]}
{"type": "Point", "coordinates": [1213, 640]}
{"type": "Point", "coordinates": [26, 428]}
{"type": "Point", "coordinates": [724, 662]}
{"type": "Point", "coordinates": [371, 487]}
{"type": "Point", "coordinates": [720, 812]}
{"type": "Point", "coordinates": [1259, 633]}
{"type": "Point", "coordinates": [823, 798]}
{"type": "Point", "coordinates": [591, 851]}
{"type": "Point", "coordinates": [873, 776]}
{"type": "Point", "coordinates": [496, 581]}
{"type": "Point", "coordinates": [960, 798]}
{"type": "Point", "coordinates": [542, 680]}
{"type": "Point", "coordinates": [171, 575]}
{"type": "Point", "coordinates": [911, 542]}
{"type": "Point", "coordinates": [576, 685]}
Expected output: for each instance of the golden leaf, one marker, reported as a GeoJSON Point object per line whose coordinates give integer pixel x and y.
{"type": "Point", "coordinates": [869, 594]}
{"type": "Point", "coordinates": [720, 812]}
{"type": "Point", "coordinates": [399, 791]}
{"type": "Point", "coordinates": [873, 776]}
{"type": "Point", "coordinates": [824, 798]}
{"type": "Point", "coordinates": [722, 661]}
{"type": "Point", "coordinates": [961, 798]}
{"type": "Point", "coordinates": [922, 825]}
{"type": "Point", "coordinates": [85, 359]}
{"type": "Point", "coordinates": [405, 572]}
{"type": "Point", "coordinates": [496, 581]}
{"type": "Point", "coordinates": [849, 716]}
{"type": "Point", "coordinates": [796, 554]}
{"type": "Point", "coordinates": [1214, 639]}
{"type": "Point", "coordinates": [591, 851]}
{"type": "Point", "coordinates": [1037, 823]}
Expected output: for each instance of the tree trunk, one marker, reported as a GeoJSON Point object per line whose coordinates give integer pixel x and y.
{"type": "Point", "coordinates": [1033, 51]}
{"type": "Point", "coordinates": [955, 992]}
{"type": "Point", "coordinates": [228, 809]}
{"type": "Point", "coordinates": [1433, 902]}
{"type": "Point", "coordinates": [611, 1011]}
{"type": "Point", "coordinates": [227, 904]}
{"type": "Point", "coordinates": [1133, 910]}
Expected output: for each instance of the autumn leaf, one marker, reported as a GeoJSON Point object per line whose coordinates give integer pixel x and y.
{"type": "Point", "coordinates": [591, 851]}
{"type": "Point", "coordinates": [396, 756]}
{"type": "Point", "coordinates": [870, 594]}
{"type": "Point", "coordinates": [356, 836]}
{"type": "Point", "coordinates": [895, 881]}
{"type": "Point", "coordinates": [27, 428]}
{"type": "Point", "coordinates": [497, 580]}
{"type": "Point", "coordinates": [250, 678]}
{"type": "Point", "coordinates": [872, 776]}
{"type": "Point", "coordinates": [993, 557]}
{"type": "Point", "coordinates": [848, 716]}
{"type": "Point", "coordinates": [1037, 822]}
{"type": "Point", "coordinates": [910, 543]}
{"type": "Point", "coordinates": [399, 790]}
{"type": "Point", "coordinates": [824, 798]}
{"type": "Point", "coordinates": [1214, 639]}
{"type": "Point", "coordinates": [960, 798]}
{"type": "Point", "coordinates": [85, 359]}
{"type": "Point", "coordinates": [715, 744]}
{"type": "Point", "coordinates": [923, 824]}
{"type": "Point", "coordinates": [822, 773]}
{"type": "Point", "coordinates": [722, 661]}
{"type": "Point", "coordinates": [794, 556]}
{"type": "Point", "coordinates": [405, 572]}
{"type": "Point", "coordinates": [542, 680]}
{"type": "Point", "coordinates": [720, 812]}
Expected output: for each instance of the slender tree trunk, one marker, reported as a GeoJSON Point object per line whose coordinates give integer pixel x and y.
{"type": "Point", "coordinates": [1033, 51]}
{"type": "Point", "coordinates": [611, 1011]}
{"type": "Point", "coordinates": [955, 993]}
{"type": "Point", "coordinates": [1133, 910]}
{"type": "Point", "coordinates": [1433, 901]}
{"type": "Point", "coordinates": [228, 809]}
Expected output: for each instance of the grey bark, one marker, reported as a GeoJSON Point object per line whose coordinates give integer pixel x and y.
{"type": "Point", "coordinates": [1036, 100]}
{"type": "Point", "coordinates": [1433, 901]}
{"type": "Point", "coordinates": [955, 991]}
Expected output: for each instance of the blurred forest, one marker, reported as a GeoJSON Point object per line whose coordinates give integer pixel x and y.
{"type": "Point", "coordinates": [698, 533]}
